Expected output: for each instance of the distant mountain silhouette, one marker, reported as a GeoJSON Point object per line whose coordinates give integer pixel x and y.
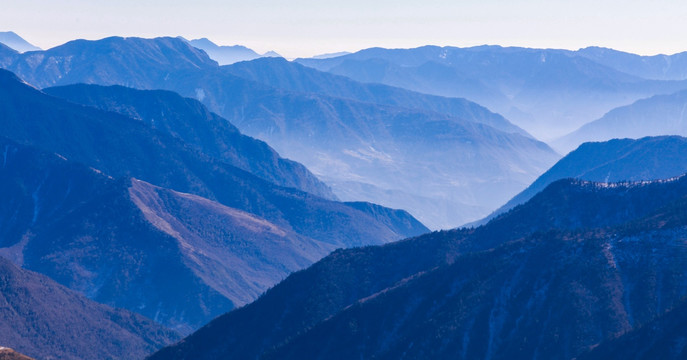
{"type": "Point", "coordinates": [15, 42]}
{"type": "Point", "coordinates": [657, 67]}
{"type": "Point", "coordinates": [226, 55]}
{"type": "Point", "coordinates": [292, 76]}
{"type": "Point", "coordinates": [573, 270]}
{"type": "Point", "coordinates": [191, 122]}
{"type": "Point", "coordinates": [648, 158]}
{"type": "Point", "coordinates": [331, 55]}
{"type": "Point", "coordinates": [132, 62]}
{"type": "Point", "coordinates": [545, 91]}
{"type": "Point", "coordinates": [45, 320]}
{"type": "Point", "coordinates": [657, 115]}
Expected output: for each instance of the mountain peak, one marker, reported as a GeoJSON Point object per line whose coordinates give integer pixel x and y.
{"type": "Point", "coordinates": [16, 42]}
{"type": "Point", "coordinates": [271, 54]}
{"type": "Point", "coordinates": [129, 61]}
{"type": "Point", "coordinates": [203, 42]}
{"type": "Point", "coordinates": [224, 54]}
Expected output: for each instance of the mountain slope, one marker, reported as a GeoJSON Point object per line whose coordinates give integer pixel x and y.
{"type": "Point", "coordinates": [649, 158]}
{"type": "Point", "coordinates": [662, 338]}
{"type": "Point", "coordinates": [7, 55]}
{"type": "Point", "coordinates": [657, 115]}
{"type": "Point", "coordinates": [130, 244]}
{"type": "Point", "coordinates": [298, 228]}
{"type": "Point", "coordinates": [345, 281]}
{"type": "Point", "coordinates": [190, 121]}
{"type": "Point", "coordinates": [15, 41]}
{"type": "Point", "coordinates": [395, 219]}
{"type": "Point", "coordinates": [45, 320]}
{"type": "Point", "coordinates": [550, 296]}
{"type": "Point", "coordinates": [547, 92]}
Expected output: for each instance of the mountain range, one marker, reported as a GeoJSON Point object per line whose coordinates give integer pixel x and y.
{"type": "Point", "coordinates": [358, 147]}
{"type": "Point", "coordinates": [92, 229]}
{"type": "Point", "coordinates": [409, 159]}
{"type": "Point", "coordinates": [547, 92]}
{"type": "Point", "coordinates": [581, 275]}
{"type": "Point", "coordinates": [330, 125]}
{"type": "Point", "coordinates": [291, 76]}
{"type": "Point", "coordinates": [648, 158]}
{"type": "Point", "coordinates": [134, 149]}
{"type": "Point", "coordinates": [142, 203]}
{"type": "Point", "coordinates": [130, 244]}
{"type": "Point", "coordinates": [656, 67]}
{"type": "Point", "coordinates": [226, 55]}
{"type": "Point", "coordinates": [189, 121]}
{"type": "Point", "coordinates": [132, 62]}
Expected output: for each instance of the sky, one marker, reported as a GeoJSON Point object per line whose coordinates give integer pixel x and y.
{"type": "Point", "coordinates": [301, 28]}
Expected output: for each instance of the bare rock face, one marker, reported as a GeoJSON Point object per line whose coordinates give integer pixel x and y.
{"type": "Point", "coordinates": [10, 354]}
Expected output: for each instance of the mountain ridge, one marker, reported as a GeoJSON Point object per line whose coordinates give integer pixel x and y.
{"type": "Point", "coordinates": [190, 121]}
{"type": "Point", "coordinates": [654, 116]}
{"type": "Point", "coordinates": [226, 55]}
{"type": "Point", "coordinates": [123, 148]}
{"type": "Point", "coordinates": [648, 158]}
{"type": "Point", "coordinates": [548, 92]}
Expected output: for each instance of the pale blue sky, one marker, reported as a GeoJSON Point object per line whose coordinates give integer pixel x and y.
{"type": "Point", "coordinates": [305, 27]}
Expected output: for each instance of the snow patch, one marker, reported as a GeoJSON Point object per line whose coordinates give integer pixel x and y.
{"type": "Point", "coordinates": [627, 184]}
{"type": "Point", "coordinates": [443, 54]}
